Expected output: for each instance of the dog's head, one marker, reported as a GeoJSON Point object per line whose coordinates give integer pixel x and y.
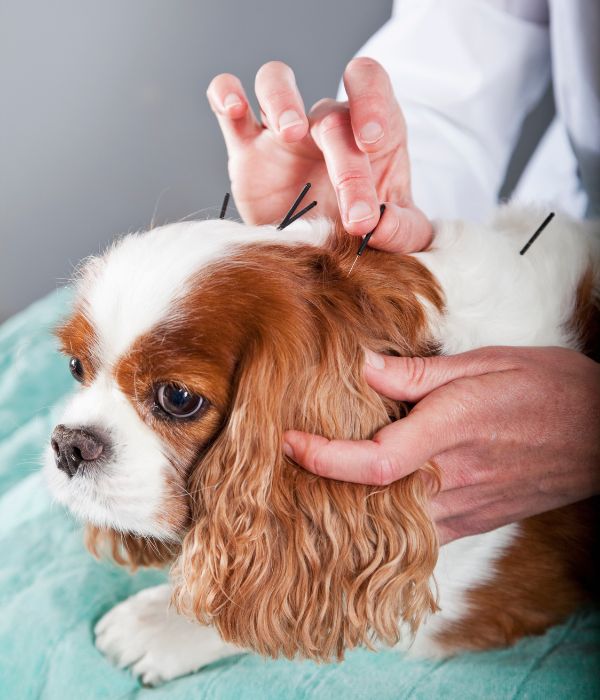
{"type": "Point", "coordinates": [197, 345]}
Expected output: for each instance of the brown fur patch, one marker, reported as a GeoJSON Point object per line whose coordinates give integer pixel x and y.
{"type": "Point", "coordinates": [586, 318]}
{"type": "Point", "coordinates": [77, 338]}
{"type": "Point", "coordinates": [129, 550]}
{"type": "Point", "coordinates": [542, 577]}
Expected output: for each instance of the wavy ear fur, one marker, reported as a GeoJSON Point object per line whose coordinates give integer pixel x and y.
{"type": "Point", "coordinates": [282, 561]}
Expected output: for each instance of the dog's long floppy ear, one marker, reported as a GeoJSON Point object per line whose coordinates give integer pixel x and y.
{"type": "Point", "coordinates": [282, 561]}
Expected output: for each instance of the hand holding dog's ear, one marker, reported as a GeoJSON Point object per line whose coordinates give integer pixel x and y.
{"type": "Point", "coordinates": [513, 430]}
{"type": "Point", "coordinates": [396, 450]}
{"type": "Point", "coordinates": [354, 153]}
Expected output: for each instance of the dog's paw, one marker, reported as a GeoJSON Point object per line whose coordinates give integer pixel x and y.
{"type": "Point", "coordinates": [148, 635]}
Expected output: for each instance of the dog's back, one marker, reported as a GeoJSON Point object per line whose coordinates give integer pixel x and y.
{"type": "Point", "coordinates": [521, 579]}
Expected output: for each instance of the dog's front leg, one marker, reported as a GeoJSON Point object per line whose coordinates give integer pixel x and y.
{"type": "Point", "coordinates": [146, 633]}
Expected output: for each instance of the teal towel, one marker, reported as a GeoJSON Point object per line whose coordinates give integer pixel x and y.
{"type": "Point", "coordinates": [52, 591]}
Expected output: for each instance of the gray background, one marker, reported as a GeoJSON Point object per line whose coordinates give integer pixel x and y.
{"type": "Point", "coordinates": [104, 122]}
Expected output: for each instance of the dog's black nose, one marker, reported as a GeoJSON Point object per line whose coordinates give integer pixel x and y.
{"type": "Point", "coordinates": [74, 446]}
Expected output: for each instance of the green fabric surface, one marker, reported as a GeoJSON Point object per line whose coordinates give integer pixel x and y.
{"type": "Point", "coordinates": [52, 591]}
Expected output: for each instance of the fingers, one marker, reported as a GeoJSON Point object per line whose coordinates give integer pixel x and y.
{"type": "Point", "coordinates": [395, 451]}
{"type": "Point", "coordinates": [228, 101]}
{"type": "Point", "coordinates": [348, 167]}
{"type": "Point", "coordinates": [402, 230]}
{"type": "Point", "coordinates": [400, 448]}
{"type": "Point", "coordinates": [485, 517]}
{"type": "Point", "coordinates": [412, 378]}
{"type": "Point", "coordinates": [280, 101]}
{"type": "Point", "coordinates": [377, 121]}
{"type": "Point", "coordinates": [360, 462]}
{"type": "Point", "coordinates": [346, 460]}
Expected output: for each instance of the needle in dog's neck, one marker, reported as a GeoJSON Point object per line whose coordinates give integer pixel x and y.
{"type": "Point", "coordinates": [542, 226]}
{"type": "Point", "coordinates": [365, 241]}
{"type": "Point", "coordinates": [292, 215]}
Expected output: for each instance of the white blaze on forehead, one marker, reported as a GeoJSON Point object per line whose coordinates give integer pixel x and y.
{"type": "Point", "coordinates": [132, 287]}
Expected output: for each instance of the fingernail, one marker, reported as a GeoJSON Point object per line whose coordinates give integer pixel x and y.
{"type": "Point", "coordinates": [231, 100]}
{"type": "Point", "coordinates": [359, 211]}
{"type": "Point", "coordinates": [287, 450]}
{"type": "Point", "coordinates": [288, 119]}
{"type": "Point", "coordinates": [371, 132]}
{"type": "Point", "coordinates": [374, 359]}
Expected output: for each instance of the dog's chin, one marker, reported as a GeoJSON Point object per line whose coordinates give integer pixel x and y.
{"type": "Point", "coordinates": [90, 501]}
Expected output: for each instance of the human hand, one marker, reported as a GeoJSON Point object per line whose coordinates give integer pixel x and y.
{"type": "Point", "coordinates": [353, 153]}
{"type": "Point", "coordinates": [514, 432]}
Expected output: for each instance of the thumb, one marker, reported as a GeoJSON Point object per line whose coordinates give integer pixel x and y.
{"type": "Point", "coordinates": [402, 229]}
{"type": "Point", "coordinates": [412, 378]}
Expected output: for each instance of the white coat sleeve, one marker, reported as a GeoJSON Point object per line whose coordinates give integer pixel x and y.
{"type": "Point", "coordinates": [465, 73]}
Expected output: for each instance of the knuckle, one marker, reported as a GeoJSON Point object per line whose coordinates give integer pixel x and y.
{"type": "Point", "coordinates": [349, 176]}
{"type": "Point", "coordinates": [463, 476]}
{"type": "Point", "coordinates": [318, 464]}
{"type": "Point", "coordinates": [371, 101]}
{"type": "Point", "coordinates": [381, 470]}
{"type": "Point", "coordinates": [281, 96]}
{"type": "Point", "coordinates": [487, 354]}
{"type": "Point", "coordinates": [337, 119]}
{"type": "Point", "coordinates": [416, 370]}
{"type": "Point", "coordinates": [498, 358]}
{"type": "Point", "coordinates": [463, 395]}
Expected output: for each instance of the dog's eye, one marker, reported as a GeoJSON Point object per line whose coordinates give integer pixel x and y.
{"type": "Point", "coordinates": [76, 368]}
{"type": "Point", "coordinates": [177, 401]}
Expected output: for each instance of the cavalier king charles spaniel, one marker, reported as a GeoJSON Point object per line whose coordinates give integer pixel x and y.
{"type": "Point", "coordinates": [198, 344]}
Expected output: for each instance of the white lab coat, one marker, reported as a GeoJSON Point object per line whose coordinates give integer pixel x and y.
{"type": "Point", "coordinates": [467, 72]}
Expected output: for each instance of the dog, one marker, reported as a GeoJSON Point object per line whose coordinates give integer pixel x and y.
{"type": "Point", "coordinates": [197, 344]}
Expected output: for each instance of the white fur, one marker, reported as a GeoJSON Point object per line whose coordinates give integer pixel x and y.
{"type": "Point", "coordinates": [146, 633]}
{"type": "Point", "coordinates": [126, 493]}
{"type": "Point", "coordinates": [494, 296]}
